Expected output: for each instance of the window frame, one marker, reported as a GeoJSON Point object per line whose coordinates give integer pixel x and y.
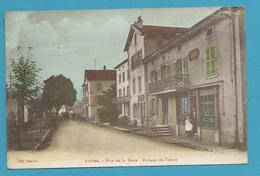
{"type": "Point", "coordinates": [211, 61]}
{"type": "Point", "coordinates": [119, 78]}
{"type": "Point", "coordinates": [205, 105]}
{"type": "Point", "coordinates": [139, 84]}
{"type": "Point", "coordinates": [134, 86]}
{"type": "Point", "coordinates": [123, 76]}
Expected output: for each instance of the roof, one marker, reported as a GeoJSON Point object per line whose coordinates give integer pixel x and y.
{"type": "Point", "coordinates": [159, 30]}
{"type": "Point", "coordinates": [91, 75]}
{"type": "Point", "coordinates": [204, 23]}
{"type": "Point", "coordinates": [153, 31]}
{"type": "Point", "coordinates": [124, 61]}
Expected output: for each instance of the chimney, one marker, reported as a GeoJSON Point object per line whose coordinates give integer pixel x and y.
{"type": "Point", "coordinates": [104, 67]}
{"type": "Point", "coordinates": [139, 22]}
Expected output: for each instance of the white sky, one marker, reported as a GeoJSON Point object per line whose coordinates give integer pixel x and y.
{"type": "Point", "coordinates": [67, 42]}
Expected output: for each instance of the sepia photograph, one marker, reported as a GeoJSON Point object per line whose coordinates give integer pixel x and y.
{"type": "Point", "coordinates": [126, 87]}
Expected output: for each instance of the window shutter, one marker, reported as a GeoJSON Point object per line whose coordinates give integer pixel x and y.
{"type": "Point", "coordinates": [208, 54]}
{"type": "Point", "coordinates": [212, 52]}
{"type": "Point", "coordinates": [178, 66]}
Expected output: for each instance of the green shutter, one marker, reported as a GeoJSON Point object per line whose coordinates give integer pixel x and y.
{"type": "Point", "coordinates": [212, 52]}
{"type": "Point", "coordinates": [207, 54]}
{"type": "Point", "coordinates": [211, 61]}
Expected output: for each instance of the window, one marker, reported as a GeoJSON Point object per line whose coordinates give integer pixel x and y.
{"type": "Point", "coordinates": [120, 92]}
{"type": "Point", "coordinates": [185, 107]}
{"type": "Point", "coordinates": [128, 76]}
{"type": "Point", "coordinates": [132, 63]}
{"type": "Point", "coordinates": [119, 78]}
{"type": "Point", "coordinates": [139, 56]}
{"type": "Point", "coordinates": [99, 87]}
{"type": "Point", "coordinates": [135, 110]}
{"type": "Point", "coordinates": [134, 89]}
{"type": "Point", "coordinates": [153, 107]}
{"type": "Point", "coordinates": [209, 32]}
{"type": "Point", "coordinates": [139, 84]}
{"type": "Point", "coordinates": [182, 69]}
{"type": "Point", "coordinates": [123, 76]}
{"type": "Point", "coordinates": [211, 65]}
{"type": "Point", "coordinates": [165, 71]}
{"type": "Point", "coordinates": [136, 59]}
{"type": "Point", "coordinates": [151, 76]}
{"type": "Point", "coordinates": [208, 111]}
{"type": "Point", "coordinates": [123, 91]}
{"type": "Point", "coordinates": [163, 57]}
{"type": "Point", "coordinates": [127, 91]}
{"type": "Point", "coordinates": [185, 69]}
{"type": "Point", "coordinates": [174, 67]}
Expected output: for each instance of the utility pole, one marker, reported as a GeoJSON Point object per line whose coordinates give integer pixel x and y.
{"type": "Point", "coordinates": [95, 64]}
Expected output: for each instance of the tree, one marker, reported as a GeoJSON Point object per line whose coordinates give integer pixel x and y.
{"type": "Point", "coordinates": [24, 80]}
{"type": "Point", "coordinates": [108, 111]}
{"type": "Point", "coordinates": [57, 91]}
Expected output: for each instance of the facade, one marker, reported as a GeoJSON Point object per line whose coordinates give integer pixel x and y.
{"type": "Point", "coordinates": [95, 82]}
{"type": "Point", "coordinates": [123, 90]}
{"type": "Point", "coordinates": [201, 73]}
{"type": "Point", "coordinates": [142, 41]}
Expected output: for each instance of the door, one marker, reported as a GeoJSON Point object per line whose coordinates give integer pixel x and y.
{"type": "Point", "coordinates": [165, 110]}
{"type": "Point", "coordinates": [142, 115]}
{"type": "Point", "coordinates": [193, 113]}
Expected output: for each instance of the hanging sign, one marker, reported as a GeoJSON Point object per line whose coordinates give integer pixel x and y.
{"type": "Point", "coordinates": [194, 54]}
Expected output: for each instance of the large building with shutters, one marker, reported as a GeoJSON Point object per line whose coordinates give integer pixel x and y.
{"type": "Point", "coordinates": [201, 73]}
{"type": "Point", "coordinates": [198, 71]}
{"type": "Point", "coordinates": [142, 41]}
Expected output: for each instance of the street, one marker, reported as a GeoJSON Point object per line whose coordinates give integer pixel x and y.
{"type": "Point", "coordinates": [80, 144]}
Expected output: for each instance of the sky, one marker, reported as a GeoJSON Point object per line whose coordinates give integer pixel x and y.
{"type": "Point", "coordinates": [68, 42]}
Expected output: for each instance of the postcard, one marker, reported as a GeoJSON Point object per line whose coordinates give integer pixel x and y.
{"type": "Point", "coordinates": [126, 87]}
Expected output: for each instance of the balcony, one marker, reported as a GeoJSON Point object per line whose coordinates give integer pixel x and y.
{"type": "Point", "coordinates": [178, 82]}
{"type": "Point", "coordinates": [123, 99]}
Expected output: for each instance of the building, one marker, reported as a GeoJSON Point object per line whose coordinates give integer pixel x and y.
{"type": "Point", "coordinates": [201, 73]}
{"type": "Point", "coordinates": [123, 90]}
{"type": "Point", "coordinates": [142, 41]}
{"type": "Point", "coordinates": [95, 82]}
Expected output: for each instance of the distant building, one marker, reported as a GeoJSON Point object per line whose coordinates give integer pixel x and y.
{"type": "Point", "coordinates": [95, 82]}
{"type": "Point", "coordinates": [142, 41]}
{"type": "Point", "coordinates": [123, 90]}
{"type": "Point", "coordinates": [78, 108]}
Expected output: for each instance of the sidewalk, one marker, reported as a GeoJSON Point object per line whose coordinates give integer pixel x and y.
{"type": "Point", "coordinates": [184, 142]}
{"type": "Point", "coordinates": [190, 143]}
{"type": "Point", "coordinates": [32, 137]}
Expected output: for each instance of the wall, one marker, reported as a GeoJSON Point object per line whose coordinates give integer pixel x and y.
{"type": "Point", "coordinates": [124, 68]}
{"type": "Point", "coordinates": [139, 71]}
{"type": "Point", "coordinates": [94, 92]}
{"type": "Point", "coordinates": [120, 85]}
{"type": "Point", "coordinates": [172, 114]}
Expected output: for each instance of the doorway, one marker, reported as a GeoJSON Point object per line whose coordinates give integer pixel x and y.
{"type": "Point", "coordinates": [165, 110]}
